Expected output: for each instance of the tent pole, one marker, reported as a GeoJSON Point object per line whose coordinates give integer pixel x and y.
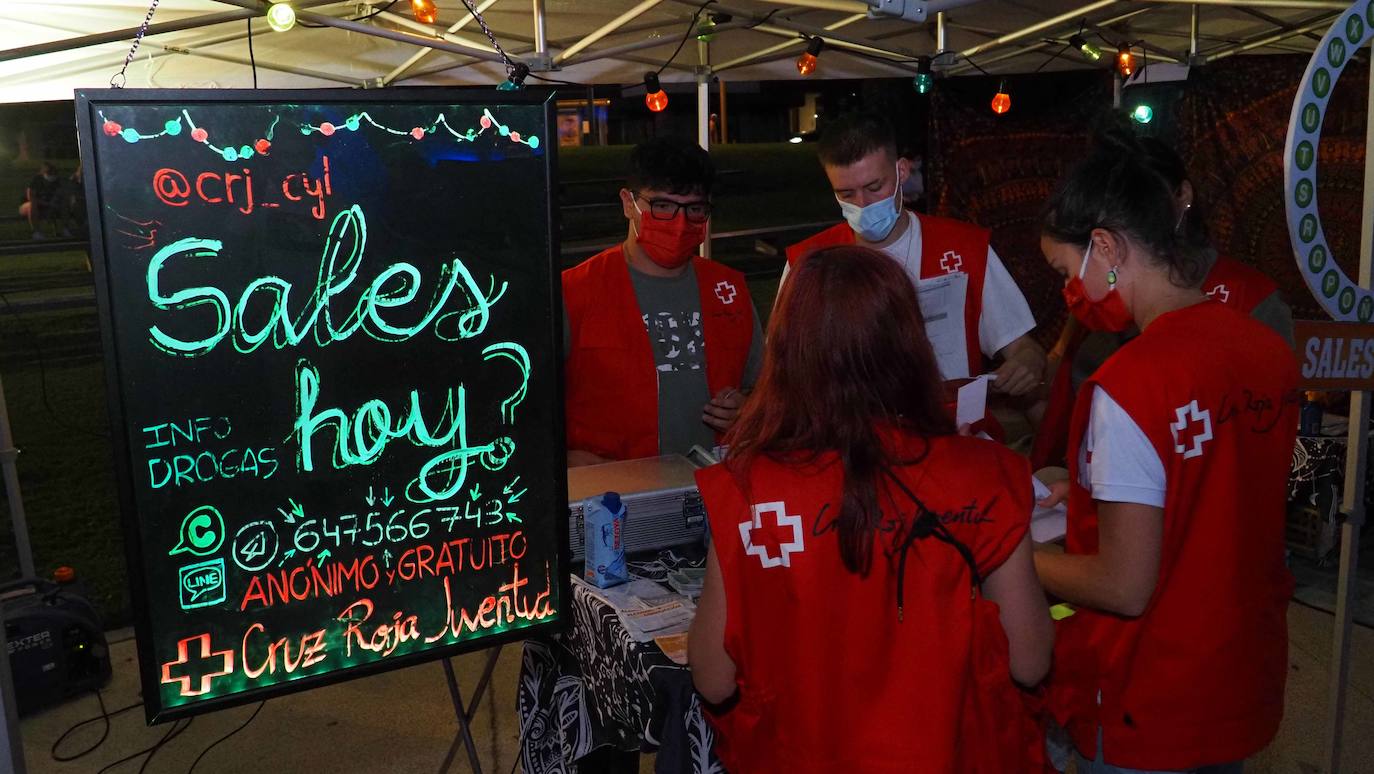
{"type": "Point", "coordinates": [1352, 505]}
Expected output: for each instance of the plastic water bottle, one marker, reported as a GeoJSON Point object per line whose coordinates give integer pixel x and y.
{"type": "Point", "coordinates": [604, 518]}
{"type": "Point", "coordinates": [1310, 416]}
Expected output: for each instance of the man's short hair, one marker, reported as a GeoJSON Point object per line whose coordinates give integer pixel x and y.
{"type": "Point", "coordinates": [672, 165]}
{"type": "Point", "coordinates": [854, 136]}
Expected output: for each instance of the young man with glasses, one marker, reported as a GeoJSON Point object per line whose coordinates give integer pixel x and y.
{"type": "Point", "coordinates": [859, 155]}
{"type": "Point", "coordinates": [659, 343]}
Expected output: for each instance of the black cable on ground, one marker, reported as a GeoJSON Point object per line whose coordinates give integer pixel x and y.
{"type": "Point", "coordinates": [104, 715]}
{"type": "Point", "coordinates": [226, 737]}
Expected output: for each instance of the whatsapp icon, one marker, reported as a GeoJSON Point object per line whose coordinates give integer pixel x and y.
{"type": "Point", "coordinates": [202, 532]}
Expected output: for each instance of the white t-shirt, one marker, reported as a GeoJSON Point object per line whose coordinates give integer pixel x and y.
{"type": "Point", "coordinates": [1006, 316]}
{"type": "Point", "coordinates": [1116, 462]}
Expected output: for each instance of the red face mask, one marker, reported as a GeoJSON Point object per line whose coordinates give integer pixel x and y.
{"type": "Point", "coordinates": [668, 243]}
{"type": "Point", "coordinates": [1108, 313]}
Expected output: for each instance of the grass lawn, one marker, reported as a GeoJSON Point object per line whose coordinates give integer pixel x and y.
{"type": "Point", "coordinates": [53, 373]}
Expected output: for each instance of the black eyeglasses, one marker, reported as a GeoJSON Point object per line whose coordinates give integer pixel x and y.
{"type": "Point", "coordinates": [666, 209]}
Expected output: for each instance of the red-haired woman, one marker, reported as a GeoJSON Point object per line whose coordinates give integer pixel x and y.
{"type": "Point", "coordinates": [843, 624]}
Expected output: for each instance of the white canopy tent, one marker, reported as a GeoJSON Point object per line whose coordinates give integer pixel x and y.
{"type": "Point", "coordinates": [54, 46]}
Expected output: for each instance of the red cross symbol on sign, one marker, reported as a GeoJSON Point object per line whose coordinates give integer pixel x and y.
{"type": "Point", "coordinates": [184, 659]}
{"type": "Point", "coordinates": [952, 262]}
{"type": "Point", "coordinates": [1221, 293]}
{"type": "Point", "coordinates": [725, 292]}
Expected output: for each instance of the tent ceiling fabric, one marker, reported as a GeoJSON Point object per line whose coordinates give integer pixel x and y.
{"type": "Point", "coordinates": [217, 55]}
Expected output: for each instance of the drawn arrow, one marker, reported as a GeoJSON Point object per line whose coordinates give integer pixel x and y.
{"type": "Point", "coordinates": [323, 555]}
{"type": "Point", "coordinates": [515, 498]}
{"type": "Point", "coordinates": [386, 557]}
{"type": "Point", "coordinates": [511, 485]}
{"type": "Point", "coordinates": [296, 510]}
{"type": "Point", "coordinates": [386, 496]}
{"type": "Point", "coordinates": [287, 554]}
{"type": "Point", "coordinates": [475, 492]}
{"type": "Point", "coordinates": [370, 499]}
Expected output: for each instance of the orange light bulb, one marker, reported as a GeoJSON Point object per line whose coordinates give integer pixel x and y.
{"type": "Point", "coordinates": [424, 11]}
{"type": "Point", "coordinates": [656, 101]}
{"type": "Point", "coordinates": [1125, 62]}
{"type": "Point", "coordinates": [1001, 103]}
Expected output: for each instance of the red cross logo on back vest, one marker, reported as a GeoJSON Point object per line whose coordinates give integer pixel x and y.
{"type": "Point", "coordinates": [1221, 293]}
{"type": "Point", "coordinates": [1187, 417]}
{"type": "Point", "coordinates": [725, 292]}
{"type": "Point", "coordinates": [951, 262]}
{"type": "Point", "coordinates": [759, 538]}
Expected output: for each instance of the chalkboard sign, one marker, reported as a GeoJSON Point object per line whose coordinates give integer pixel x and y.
{"type": "Point", "coordinates": [331, 329]}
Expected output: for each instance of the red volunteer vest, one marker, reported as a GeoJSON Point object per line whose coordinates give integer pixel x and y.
{"type": "Point", "coordinates": [829, 679]}
{"type": "Point", "coordinates": [1231, 282]}
{"type": "Point", "coordinates": [1197, 679]}
{"type": "Point", "coordinates": [610, 382]}
{"type": "Point", "coordinates": [947, 246]}
{"type": "Point", "coordinates": [1237, 285]}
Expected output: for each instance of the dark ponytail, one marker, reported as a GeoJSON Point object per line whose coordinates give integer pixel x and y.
{"type": "Point", "coordinates": [1122, 187]}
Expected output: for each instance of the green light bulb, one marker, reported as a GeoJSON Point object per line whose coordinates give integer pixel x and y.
{"type": "Point", "coordinates": [923, 82]}
{"type": "Point", "coordinates": [1143, 114]}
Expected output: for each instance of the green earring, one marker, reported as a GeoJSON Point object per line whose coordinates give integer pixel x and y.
{"type": "Point", "coordinates": [1111, 277]}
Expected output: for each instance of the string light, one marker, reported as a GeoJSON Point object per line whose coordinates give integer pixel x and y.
{"type": "Point", "coordinates": [1143, 114]}
{"type": "Point", "coordinates": [1089, 50]}
{"type": "Point", "coordinates": [806, 63]}
{"type": "Point", "coordinates": [706, 31]}
{"type": "Point", "coordinates": [1125, 60]}
{"type": "Point", "coordinates": [925, 79]}
{"type": "Point", "coordinates": [424, 11]}
{"type": "Point", "coordinates": [516, 80]}
{"type": "Point", "coordinates": [281, 17]}
{"type": "Point", "coordinates": [1001, 101]}
{"type": "Point", "coordinates": [654, 97]}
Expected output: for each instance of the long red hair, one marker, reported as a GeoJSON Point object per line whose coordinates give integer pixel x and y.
{"type": "Point", "coordinates": [846, 357]}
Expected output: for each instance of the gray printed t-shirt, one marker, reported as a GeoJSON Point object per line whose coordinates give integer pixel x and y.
{"type": "Point", "coordinates": [671, 311]}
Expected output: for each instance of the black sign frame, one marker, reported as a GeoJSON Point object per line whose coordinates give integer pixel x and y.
{"type": "Point", "coordinates": [88, 101]}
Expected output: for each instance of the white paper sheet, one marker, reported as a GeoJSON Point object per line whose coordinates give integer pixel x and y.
{"type": "Point", "coordinates": [1047, 524]}
{"type": "Point", "coordinates": [942, 307]}
{"type": "Point", "coordinates": [973, 401]}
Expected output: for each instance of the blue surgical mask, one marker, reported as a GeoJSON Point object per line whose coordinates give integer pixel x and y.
{"type": "Point", "coordinates": [874, 222]}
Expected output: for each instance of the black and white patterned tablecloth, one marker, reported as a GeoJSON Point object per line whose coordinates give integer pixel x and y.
{"type": "Point", "coordinates": [594, 686]}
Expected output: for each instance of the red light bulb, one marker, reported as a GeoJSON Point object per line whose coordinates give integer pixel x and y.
{"type": "Point", "coordinates": [1001, 102]}
{"type": "Point", "coordinates": [654, 97]}
{"type": "Point", "coordinates": [806, 63]}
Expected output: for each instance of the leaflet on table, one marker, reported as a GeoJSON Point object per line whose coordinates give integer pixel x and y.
{"type": "Point", "coordinates": [638, 594]}
{"type": "Point", "coordinates": [1047, 524]}
{"type": "Point", "coordinates": [942, 306]}
{"type": "Point", "coordinates": [667, 618]}
{"type": "Point", "coordinates": [674, 646]}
